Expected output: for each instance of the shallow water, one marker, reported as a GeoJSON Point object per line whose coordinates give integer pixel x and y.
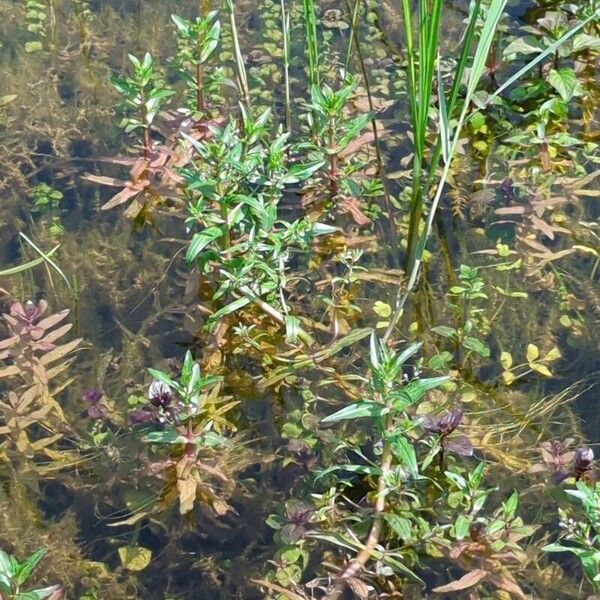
{"type": "Point", "coordinates": [129, 301]}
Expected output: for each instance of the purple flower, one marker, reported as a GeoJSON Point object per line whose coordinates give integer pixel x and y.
{"type": "Point", "coordinates": [95, 409]}
{"type": "Point", "coordinates": [444, 425]}
{"type": "Point", "coordinates": [582, 462]}
{"type": "Point", "coordinates": [160, 395]}
{"type": "Point", "coordinates": [297, 521]}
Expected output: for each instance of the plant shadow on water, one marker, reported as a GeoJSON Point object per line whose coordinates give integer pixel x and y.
{"type": "Point", "coordinates": [299, 300]}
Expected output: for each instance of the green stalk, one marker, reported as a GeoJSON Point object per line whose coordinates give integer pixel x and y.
{"type": "Point", "coordinates": [458, 75]}
{"type": "Point", "coordinates": [239, 59]}
{"type": "Point", "coordinates": [312, 42]}
{"type": "Point", "coordinates": [285, 22]}
{"type": "Point", "coordinates": [46, 257]}
{"type": "Point", "coordinates": [479, 61]}
{"type": "Point", "coordinates": [28, 265]}
{"type": "Point", "coordinates": [353, 35]}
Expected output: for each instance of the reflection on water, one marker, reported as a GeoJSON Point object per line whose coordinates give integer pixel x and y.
{"type": "Point", "coordinates": [133, 305]}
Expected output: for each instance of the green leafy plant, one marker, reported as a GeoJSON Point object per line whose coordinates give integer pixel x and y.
{"type": "Point", "coordinates": [196, 43]}
{"type": "Point", "coordinates": [337, 138]}
{"type": "Point", "coordinates": [581, 536]}
{"type": "Point", "coordinates": [14, 576]}
{"type": "Point", "coordinates": [188, 438]}
{"type": "Point", "coordinates": [144, 95]}
{"type": "Point", "coordinates": [233, 189]}
{"type": "Point", "coordinates": [36, 16]}
{"type": "Point", "coordinates": [465, 303]}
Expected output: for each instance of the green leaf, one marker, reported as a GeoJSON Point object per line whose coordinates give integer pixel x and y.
{"type": "Point", "coordinates": [298, 173]}
{"type": "Point", "coordinates": [182, 24]}
{"type": "Point", "coordinates": [40, 593]}
{"type": "Point", "coordinates": [230, 308]}
{"type": "Point", "coordinates": [200, 241]}
{"type": "Point", "coordinates": [382, 309]}
{"type": "Point", "coordinates": [444, 331]}
{"type": "Point", "coordinates": [526, 45]}
{"type": "Point", "coordinates": [186, 370]}
{"type": "Point", "coordinates": [584, 41]}
{"type": "Point", "coordinates": [4, 100]}
{"type": "Point", "coordinates": [506, 360]}
{"type": "Point", "coordinates": [400, 526]}
{"type": "Point", "coordinates": [477, 346]}
{"type": "Point", "coordinates": [532, 352]}
{"type": "Point", "coordinates": [565, 82]}
{"type": "Point", "coordinates": [462, 526]}
{"type": "Point", "coordinates": [414, 390]}
{"type": "Point", "coordinates": [35, 46]}
{"type": "Point", "coordinates": [29, 565]}
{"type": "Point", "coordinates": [362, 469]}
{"type": "Point", "coordinates": [160, 376]}
{"type": "Point", "coordinates": [403, 450]}
{"type": "Point", "coordinates": [355, 411]}
{"type": "Point", "coordinates": [135, 558]}
{"type": "Point", "coordinates": [170, 436]}
{"type": "Point", "coordinates": [6, 565]}
{"type": "Point", "coordinates": [292, 325]}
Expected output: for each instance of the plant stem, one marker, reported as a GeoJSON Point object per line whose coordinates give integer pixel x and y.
{"type": "Point", "coordinates": [239, 60]}
{"type": "Point", "coordinates": [360, 560]}
{"type": "Point", "coordinates": [285, 22]}
{"type": "Point", "coordinates": [274, 313]}
{"type": "Point", "coordinates": [376, 141]}
{"type": "Point", "coordinates": [312, 43]}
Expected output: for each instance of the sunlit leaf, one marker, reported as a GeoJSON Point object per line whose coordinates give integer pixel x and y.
{"type": "Point", "coordinates": [355, 411]}
{"type": "Point", "coordinates": [506, 360]}
{"type": "Point", "coordinates": [135, 558]}
{"type": "Point", "coordinates": [466, 581]}
{"type": "Point", "coordinates": [404, 451]}
{"type": "Point", "coordinates": [532, 352]}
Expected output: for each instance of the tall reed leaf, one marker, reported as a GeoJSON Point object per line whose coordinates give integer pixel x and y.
{"type": "Point", "coordinates": [312, 42]}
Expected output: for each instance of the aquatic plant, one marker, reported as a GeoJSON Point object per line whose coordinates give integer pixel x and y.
{"type": "Point", "coordinates": [185, 425]}
{"type": "Point", "coordinates": [382, 493]}
{"type": "Point", "coordinates": [197, 41]}
{"type": "Point", "coordinates": [144, 94]}
{"type": "Point", "coordinates": [414, 486]}
{"type": "Point", "coordinates": [580, 536]}
{"type": "Point", "coordinates": [233, 189]}
{"type": "Point", "coordinates": [32, 418]}
{"type": "Point", "coordinates": [14, 575]}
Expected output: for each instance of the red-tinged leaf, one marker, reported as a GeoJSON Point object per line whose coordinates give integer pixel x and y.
{"type": "Point", "coordinates": [358, 587]}
{"type": "Point", "coordinates": [351, 205]}
{"type": "Point", "coordinates": [160, 158]}
{"type": "Point", "coordinates": [362, 140]}
{"type": "Point", "coordinates": [9, 371]}
{"type": "Point", "coordinates": [510, 210]}
{"type": "Point", "coordinates": [134, 209]}
{"type": "Point", "coordinates": [120, 198]}
{"type": "Point", "coordinates": [459, 444]}
{"type": "Point", "coordinates": [458, 549]}
{"type": "Point", "coordinates": [59, 352]}
{"type": "Point", "coordinates": [104, 180]}
{"type": "Point", "coordinates": [140, 166]}
{"type": "Point", "coordinates": [273, 587]}
{"type": "Point", "coordinates": [36, 333]}
{"type": "Point", "coordinates": [118, 160]}
{"type": "Point", "coordinates": [8, 342]}
{"type": "Point", "coordinates": [503, 582]}
{"type": "Point", "coordinates": [466, 581]}
{"type": "Point", "coordinates": [57, 333]}
{"type": "Point", "coordinates": [52, 320]}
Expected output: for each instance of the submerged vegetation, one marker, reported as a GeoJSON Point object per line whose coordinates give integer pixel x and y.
{"type": "Point", "coordinates": [332, 286]}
